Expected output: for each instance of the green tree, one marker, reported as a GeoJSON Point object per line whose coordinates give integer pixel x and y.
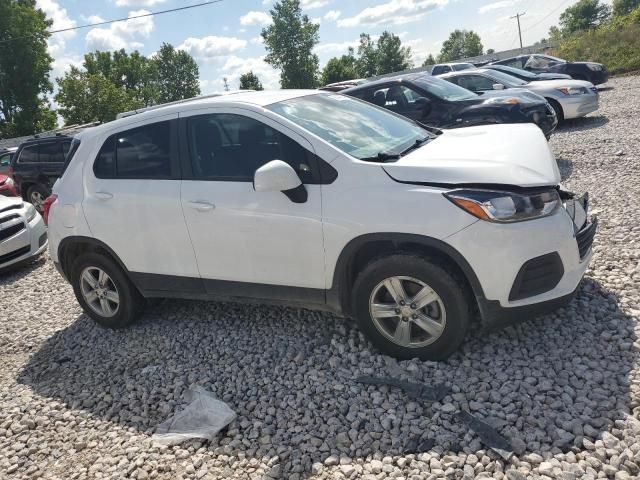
{"type": "Point", "coordinates": [490, 51]}
{"type": "Point", "coordinates": [429, 61]}
{"type": "Point", "coordinates": [250, 81]}
{"type": "Point", "coordinates": [175, 75]}
{"type": "Point", "coordinates": [624, 7]}
{"type": "Point", "coordinates": [341, 68]}
{"type": "Point", "coordinates": [24, 67]}
{"type": "Point", "coordinates": [132, 72]}
{"type": "Point", "coordinates": [392, 56]}
{"type": "Point", "coordinates": [584, 15]}
{"type": "Point", "coordinates": [367, 62]}
{"type": "Point", "coordinates": [289, 42]}
{"type": "Point", "coordinates": [460, 44]}
{"type": "Point", "coordinates": [85, 97]}
{"type": "Point", "coordinates": [46, 118]}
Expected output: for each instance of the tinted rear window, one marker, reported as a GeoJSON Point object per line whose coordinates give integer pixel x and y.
{"type": "Point", "coordinates": [29, 154]}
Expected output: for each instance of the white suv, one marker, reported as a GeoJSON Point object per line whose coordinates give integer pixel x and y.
{"type": "Point", "coordinates": [319, 200]}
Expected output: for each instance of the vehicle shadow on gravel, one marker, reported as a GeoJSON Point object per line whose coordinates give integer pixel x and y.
{"type": "Point", "coordinates": [15, 273]}
{"type": "Point", "coordinates": [583, 123]}
{"type": "Point", "coordinates": [551, 384]}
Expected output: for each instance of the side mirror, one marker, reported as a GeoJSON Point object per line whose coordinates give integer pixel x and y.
{"type": "Point", "coordinates": [498, 86]}
{"type": "Point", "coordinates": [424, 104]}
{"type": "Point", "coordinates": [278, 176]}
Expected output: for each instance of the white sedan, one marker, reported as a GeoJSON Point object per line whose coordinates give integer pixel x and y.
{"type": "Point", "coordinates": [23, 234]}
{"type": "Point", "coordinates": [568, 98]}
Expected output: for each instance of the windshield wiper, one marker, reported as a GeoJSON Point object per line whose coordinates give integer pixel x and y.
{"type": "Point", "coordinates": [382, 157]}
{"type": "Point", "coordinates": [415, 145]}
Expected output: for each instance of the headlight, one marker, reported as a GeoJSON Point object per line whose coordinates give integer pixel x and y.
{"type": "Point", "coordinates": [596, 67]}
{"type": "Point", "coordinates": [504, 100]}
{"type": "Point", "coordinates": [31, 213]}
{"type": "Point", "coordinates": [573, 90]}
{"type": "Point", "coordinates": [494, 206]}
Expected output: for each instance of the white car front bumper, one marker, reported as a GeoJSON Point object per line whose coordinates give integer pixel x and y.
{"type": "Point", "coordinates": [20, 240]}
{"type": "Point", "coordinates": [526, 266]}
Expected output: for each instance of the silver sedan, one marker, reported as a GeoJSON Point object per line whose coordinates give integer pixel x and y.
{"type": "Point", "coordinates": [569, 98]}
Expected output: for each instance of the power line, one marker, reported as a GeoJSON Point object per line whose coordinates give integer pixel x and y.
{"type": "Point", "coordinates": [548, 15]}
{"type": "Point", "coordinates": [106, 22]}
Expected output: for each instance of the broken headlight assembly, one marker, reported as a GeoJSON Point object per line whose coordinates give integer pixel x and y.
{"type": "Point", "coordinates": [505, 207]}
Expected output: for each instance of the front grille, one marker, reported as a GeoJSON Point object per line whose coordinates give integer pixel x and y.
{"type": "Point", "coordinates": [585, 237]}
{"type": "Point", "coordinates": [9, 227]}
{"type": "Point", "coordinates": [15, 254]}
{"type": "Point", "coordinates": [537, 276]}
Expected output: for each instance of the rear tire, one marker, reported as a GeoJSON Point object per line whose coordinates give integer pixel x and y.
{"type": "Point", "coordinates": [430, 332]}
{"type": "Point", "coordinates": [36, 195]}
{"type": "Point", "coordinates": [104, 291]}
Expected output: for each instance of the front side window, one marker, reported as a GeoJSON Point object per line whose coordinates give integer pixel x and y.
{"type": "Point", "coordinates": [475, 83]}
{"type": "Point", "coordinates": [232, 147]}
{"type": "Point", "coordinates": [29, 154]}
{"type": "Point", "coordinates": [515, 62]}
{"type": "Point", "coordinates": [143, 152]}
{"type": "Point", "coordinates": [354, 127]}
{"type": "Point", "coordinates": [4, 160]}
{"type": "Point", "coordinates": [505, 79]}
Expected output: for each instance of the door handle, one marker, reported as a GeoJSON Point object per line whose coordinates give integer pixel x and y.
{"type": "Point", "coordinates": [104, 195]}
{"type": "Point", "coordinates": [201, 205]}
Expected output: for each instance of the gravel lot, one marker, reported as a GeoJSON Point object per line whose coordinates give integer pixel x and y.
{"type": "Point", "coordinates": [76, 403]}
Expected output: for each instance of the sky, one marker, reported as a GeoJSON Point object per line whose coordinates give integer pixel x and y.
{"type": "Point", "coordinates": [224, 38]}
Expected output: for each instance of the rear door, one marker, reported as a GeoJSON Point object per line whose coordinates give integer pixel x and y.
{"type": "Point", "coordinates": [132, 204]}
{"type": "Point", "coordinates": [51, 160]}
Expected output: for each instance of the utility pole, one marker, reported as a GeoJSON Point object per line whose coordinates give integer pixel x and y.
{"type": "Point", "coordinates": [518, 15]}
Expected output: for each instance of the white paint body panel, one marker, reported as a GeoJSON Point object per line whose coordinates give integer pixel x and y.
{"type": "Point", "coordinates": [234, 233]}
{"type": "Point", "coordinates": [511, 154]}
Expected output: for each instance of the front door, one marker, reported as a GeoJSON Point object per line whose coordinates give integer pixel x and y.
{"type": "Point", "coordinates": [249, 243]}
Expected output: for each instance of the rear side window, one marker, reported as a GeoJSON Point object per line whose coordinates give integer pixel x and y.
{"type": "Point", "coordinates": [143, 152]}
{"type": "Point", "coordinates": [51, 153]}
{"type": "Point", "coordinates": [29, 154]}
{"type": "Point", "coordinates": [72, 148]}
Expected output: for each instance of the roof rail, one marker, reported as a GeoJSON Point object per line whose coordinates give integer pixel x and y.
{"type": "Point", "coordinates": [177, 102]}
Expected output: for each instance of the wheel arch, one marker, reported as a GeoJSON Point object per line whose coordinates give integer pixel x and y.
{"type": "Point", "coordinates": [365, 248]}
{"type": "Point", "coordinates": [70, 247]}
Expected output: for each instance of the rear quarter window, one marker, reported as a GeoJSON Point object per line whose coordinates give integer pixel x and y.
{"type": "Point", "coordinates": [72, 148]}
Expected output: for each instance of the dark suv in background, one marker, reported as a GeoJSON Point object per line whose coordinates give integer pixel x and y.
{"type": "Point", "coordinates": [595, 73]}
{"type": "Point", "coordinates": [36, 165]}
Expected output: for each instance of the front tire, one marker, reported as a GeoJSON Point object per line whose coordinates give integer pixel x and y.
{"type": "Point", "coordinates": [410, 306]}
{"type": "Point", "coordinates": [104, 291]}
{"type": "Point", "coordinates": [557, 108]}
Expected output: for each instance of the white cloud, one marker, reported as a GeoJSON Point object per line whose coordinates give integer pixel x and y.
{"type": "Point", "coordinates": [95, 19]}
{"type": "Point", "coordinates": [61, 20]}
{"type": "Point", "coordinates": [121, 34]}
{"type": "Point", "coordinates": [256, 40]}
{"type": "Point", "coordinates": [138, 3]}
{"type": "Point", "coordinates": [209, 48]}
{"type": "Point", "coordinates": [311, 4]}
{"type": "Point", "coordinates": [236, 66]}
{"type": "Point", "coordinates": [499, 5]}
{"type": "Point", "coordinates": [394, 12]}
{"type": "Point", "coordinates": [335, 47]}
{"type": "Point", "coordinates": [332, 15]}
{"type": "Point", "coordinates": [255, 18]}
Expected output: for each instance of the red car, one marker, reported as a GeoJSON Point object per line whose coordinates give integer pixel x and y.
{"type": "Point", "coordinates": [7, 187]}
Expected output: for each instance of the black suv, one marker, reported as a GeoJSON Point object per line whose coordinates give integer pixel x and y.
{"type": "Point", "coordinates": [438, 103]}
{"type": "Point", "coordinates": [36, 165]}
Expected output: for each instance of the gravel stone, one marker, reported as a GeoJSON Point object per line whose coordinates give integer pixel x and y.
{"type": "Point", "coordinates": [79, 401]}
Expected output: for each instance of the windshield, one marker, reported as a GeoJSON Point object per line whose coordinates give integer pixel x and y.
{"type": "Point", "coordinates": [353, 126]}
{"type": "Point", "coordinates": [516, 71]}
{"type": "Point", "coordinates": [445, 90]}
{"type": "Point", "coordinates": [505, 78]}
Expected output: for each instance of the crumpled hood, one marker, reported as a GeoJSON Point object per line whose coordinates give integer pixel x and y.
{"type": "Point", "coordinates": [505, 154]}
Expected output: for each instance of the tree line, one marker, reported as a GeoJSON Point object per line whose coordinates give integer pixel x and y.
{"type": "Point", "coordinates": [109, 82]}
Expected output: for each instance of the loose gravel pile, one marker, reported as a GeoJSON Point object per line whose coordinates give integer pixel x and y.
{"type": "Point", "coordinates": [79, 401]}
